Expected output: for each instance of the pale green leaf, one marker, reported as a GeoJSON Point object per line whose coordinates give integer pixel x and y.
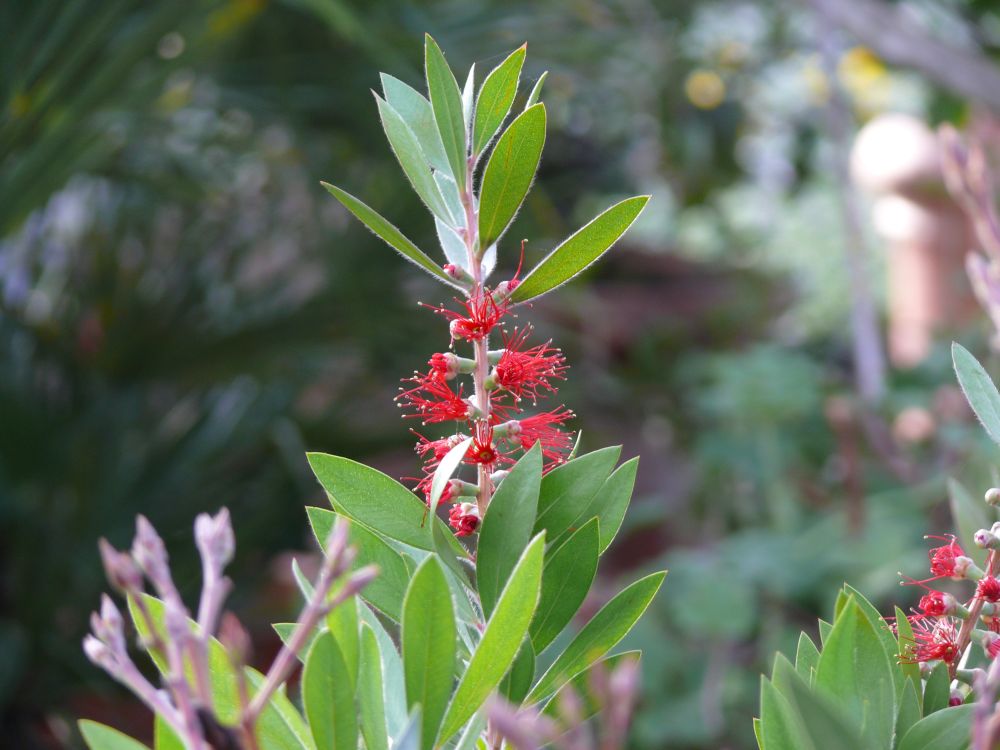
{"type": "Point", "coordinates": [806, 657]}
{"type": "Point", "coordinates": [979, 389]}
{"type": "Point", "coordinates": [599, 635]}
{"type": "Point", "coordinates": [937, 689]}
{"type": "Point", "coordinates": [342, 622]}
{"type": "Point", "coordinates": [580, 250]}
{"type": "Point", "coordinates": [411, 158]}
{"type": "Point", "coordinates": [414, 108]}
{"type": "Point", "coordinates": [506, 528]}
{"type": "Point", "coordinates": [371, 692]}
{"type": "Point", "coordinates": [101, 737]}
{"type": "Point", "coordinates": [444, 471]}
{"type": "Point", "coordinates": [495, 99]}
{"type": "Point", "coordinates": [509, 173]}
{"type": "Point", "coordinates": [393, 682]}
{"type": "Point", "coordinates": [536, 91]}
{"type": "Point", "coordinates": [428, 639]}
{"type": "Point", "coordinates": [501, 639]}
{"type": "Point", "coordinates": [949, 729]}
{"type": "Point", "coordinates": [328, 696]}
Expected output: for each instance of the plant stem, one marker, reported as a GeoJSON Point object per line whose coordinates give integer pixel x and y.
{"type": "Point", "coordinates": [965, 634]}
{"type": "Point", "coordinates": [481, 346]}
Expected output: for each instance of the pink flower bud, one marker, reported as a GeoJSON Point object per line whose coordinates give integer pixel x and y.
{"type": "Point", "coordinates": [99, 653]}
{"type": "Point", "coordinates": [149, 552]}
{"type": "Point", "coordinates": [120, 568]}
{"type": "Point", "coordinates": [214, 537]}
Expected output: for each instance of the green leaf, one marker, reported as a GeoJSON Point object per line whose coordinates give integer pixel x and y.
{"type": "Point", "coordinates": [342, 622]}
{"type": "Point", "coordinates": [387, 232]}
{"type": "Point", "coordinates": [969, 517]}
{"type": "Point", "coordinates": [568, 489]}
{"type": "Point", "coordinates": [943, 730]}
{"type": "Point", "coordinates": [824, 631]}
{"type": "Point", "coordinates": [979, 390]}
{"type": "Point", "coordinates": [280, 724]}
{"type": "Point", "coordinates": [495, 98]}
{"type": "Point", "coordinates": [806, 657]}
{"type": "Point", "coordinates": [286, 630]}
{"type": "Point", "coordinates": [517, 682]}
{"type": "Point", "coordinates": [566, 579]}
{"type": "Point", "coordinates": [889, 644]}
{"type": "Point", "coordinates": [909, 711]}
{"type": "Point", "coordinates": [446, 101]}
{"type": "Point", "coordinates": [445, 470]}
{"type": "Point", "coordinates": [409, 739]}
{"type": "Point", "coordinates": [904, 637]}
{"type": "Point", "coordinates": [536, 91]}
{"type": "Point", "coordinates": [854, 670]}
{"type": "Point", "coordinates": [779, 726]}
{"type": "Point", "coordinates": [164, 738]}
{"type": "Point", "coordinates": [501, 639]}
{"type": "Point", "coordinates": [371, 695]}
{"type": "Point", "coordinates": [393, 681]}
{"type": "Point", "coordinates": [937, 690]}
{"type": "Point", "coordinates": [824, 725]}
{"type": "Point", "coordinates": [599, 635]}
{"type": "Point", "coordinates": [386, 591]}
{"type": "Point", "coordinates": [101, 737]}
{"type": "Point", "coordinates": [506, 528]}
{"type": "Point", "coordinates": [416, 111]}
{"type": "Point", "coordinates": [611, 501]}
{"type": "Point", "coordinates": [375, 500]}
{"type": "Point", "coordinates": [509, 173]}
{"type": "Point", "coordinates": [468, 93]}
{"type": "Point", "coordinates": [411, 158]}
{"type": "Point", "coordinates": [328, 696]}
{"type": "Point", "coordinates": [428, 639]}
{"type": "Point", "coordinates": [580, 250]}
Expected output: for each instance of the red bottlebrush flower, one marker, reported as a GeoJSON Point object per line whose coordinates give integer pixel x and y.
{"type": "Point", "coordinates": [955, 700]}
{"type": "Point", "coordinates": [464, 518]}
{"type": "Point", "coordinates": [944, 559]}
{"type": "Point", "coordinates": [527, 371]}
{"type": "Point", "coordinates": [543, 428]}
{"type": "Point", "coordinates": [483, 450]}
{"type": "Point", "coordinates": [443, 366]}
{"type": "Point", "coordinates": [481, 315]}
{"type": "Point", "coordinates": [433, 400]}
{"type": "Point", "coordinates": [436, 449]}
{"type": "Point", "coordinates": [989, 589]}
{"type": "Point", "coordinates": [424, 488]}
{"type": "Point", "coordinates": [936, 604]}
{"type": "Point", "coordinates": [933, 640]}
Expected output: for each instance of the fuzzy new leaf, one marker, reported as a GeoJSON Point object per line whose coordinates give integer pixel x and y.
{"type": "Point", "coordinates": [979, 389]}
{"type": "Point", "coordinates": [446, 101]}
{"type": "Point", "coordinates": [495, 99]}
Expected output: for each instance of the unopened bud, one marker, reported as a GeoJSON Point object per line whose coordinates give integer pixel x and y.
{"type": "Point", "coordinates": [993, 496]}
{"type": "Point", "coordinates": [957, 698]}
{"type": "Point", "coordinates": [986, 539]}
{"type": "Point", "coordinates": [459, 274]}
{"type": "Point", "coordinates": [966, 568]}
{"type": "Point", "coordinates": [113, 628]}
{"type": "Point", "coordinates": [460, 488]}
{"type": "Point", "coordinates": [498, 476]}
{"type": "Point", "coordinates": [175, 622]}
{"type": "Point", "coordinates": [504, 289]}
{"type": "Point", "coordinates": [120, 568]}
{"type": "Point", "coordinates": [149, 552]}
{"type": "Point", "coordinates": [99, 653]}
{"type": "Point", "coordinates": [214, 538]}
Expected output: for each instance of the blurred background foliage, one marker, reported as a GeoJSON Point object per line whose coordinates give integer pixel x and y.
{"type": "Point", "coordinates": [183, 311]}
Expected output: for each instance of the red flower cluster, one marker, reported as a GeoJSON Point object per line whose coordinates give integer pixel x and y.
{"type": "Point", "coordinates": [508, 377]}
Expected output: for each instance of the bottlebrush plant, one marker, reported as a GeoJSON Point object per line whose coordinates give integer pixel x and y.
{"type": "Point", "coordinates": [920, 681]}
{"type": "Point", "coordinates": [442, 648]}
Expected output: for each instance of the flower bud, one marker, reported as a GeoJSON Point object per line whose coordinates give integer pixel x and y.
{"type": "Point", "coordinates": [98, 653]}
{"type": "Point", "coordinates": [120, 568]}
{"type": "Point", "coordinates": [459, 274]}
{"type": "Point", "coordinates": [149, 552]}
{"type": "Point", "coordinates": [986, 539]}
{"type": "Point", "coordinates": [993, 496]}
{"type": "Point", "coordinates": [966, 568]}
{"type": "Point", "coordinates": [214, 538]}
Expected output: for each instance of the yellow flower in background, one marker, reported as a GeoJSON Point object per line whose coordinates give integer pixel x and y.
{"type": "Point", "coordinates": [705, 89]}
{"type": "Point", "coordinates": [866, 79]}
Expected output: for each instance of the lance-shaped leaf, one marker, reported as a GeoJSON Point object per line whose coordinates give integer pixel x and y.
{"type": "Point", "coordinates": [393, 680]}
{"type": "Point", "coordinates": [566, 579]}
{"type": "Point", "coordinates": [580, 250]}
{"type": "Point", "coordinates": [411, 158]}
{"type": "Point", "coordinates": [611, 501]}
{"type": "Point", "coordinates": [387, 232]}
{"type": "Point", "coordinates": [568, 489]}
{"type": "Point", "coordinates": [342, 623]}
{"type": "Point", "coordinates": [509, 173]}
{"type": "Point", "coordinates": [371, 698]}
{"type": "Point", "coordinates": [495, 98]}
{"type": "Point", "coordinates": [414, 108]}
{"type": "Point", "coordinates": [444, 471]}
{"type": "Point", "coordinates": [536, 90]}
{"type": "Point", "coordinates": [943, 730]}
{"type": "Point", "coordinates": [979, 389]}
{"type": "Point", "coordinates": [516, 684]}
{"type": "Point", "coordinates": [375, 500]}
{"type": "Point", "coordinates": [428, 638]}
{"type": "Point", "coordinates": [599, 635]}
{"type": "Point", "coordinates": [328, 696]}
{"type": "Point", "coordinates": [501, 640]}
{"type": "Point", "coordinates": [101, 737]}
{"type": "Point", "coordinates": [446, 101]}
{"type": "Point", "coordinates": [507, 526]}
{"type": "Point", "coordinates": [386, 591]}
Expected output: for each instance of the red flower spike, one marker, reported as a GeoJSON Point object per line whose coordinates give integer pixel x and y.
{"type": "Point", "coordinates": [464, 518]}
{"type": "Point", "coordinates": [988, 589]}
{"type": "Point", "coordinates": [933, 640]}
{"type": "Point", "coordinates": [943, 559]}
{"type": "Point", "coordinates": [527, 371]}
{"type": "Point", "coordinates": [483, 451]}
{"type": "Point", "coordinates": [433, 400]}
